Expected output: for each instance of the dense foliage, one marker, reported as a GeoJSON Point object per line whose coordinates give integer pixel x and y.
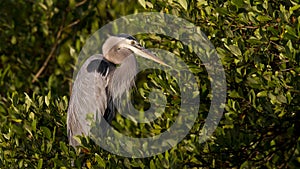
{"type": "Point", "coordinates": [258, 42]}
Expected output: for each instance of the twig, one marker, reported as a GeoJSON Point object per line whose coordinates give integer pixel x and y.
{"type": "Point", "coordinates": [284, 70]}
{"type": "Point", "coordinates": [36, 76]}
{"type": "Point", "coordinates": [72, 24]}
{"type": "Point", "coordinates": [53, 49]}
{"type": "Point", "coordinates": [245, 27]}
{"type": "Point", "coordinates": [81, 3]}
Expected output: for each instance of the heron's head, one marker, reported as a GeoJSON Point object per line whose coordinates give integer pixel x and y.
{"type": "Point", "coordinates": [117, 48]}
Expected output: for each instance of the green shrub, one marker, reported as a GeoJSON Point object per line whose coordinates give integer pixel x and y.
{"type": "Point", "coordinates": [258, 42]}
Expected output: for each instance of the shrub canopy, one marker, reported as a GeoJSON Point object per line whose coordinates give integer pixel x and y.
{"type": "Point", "coordinates": [258, 42]}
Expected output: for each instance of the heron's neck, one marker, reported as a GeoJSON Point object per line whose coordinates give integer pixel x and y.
{"type": "Point", "coordinates": [117, 56]}
{"type": "Point", "coordinates": [123, 77]}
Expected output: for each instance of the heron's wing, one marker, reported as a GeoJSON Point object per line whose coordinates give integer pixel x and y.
{"type": "Point", "coordinates": [89, 96]}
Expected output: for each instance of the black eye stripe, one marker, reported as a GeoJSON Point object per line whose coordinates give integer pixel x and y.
{"type": "Point", "coordinates": [126, 36]}
{"type": "Point", "coordinates": [130, 38]}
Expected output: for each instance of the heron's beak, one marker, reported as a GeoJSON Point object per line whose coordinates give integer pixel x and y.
{"type": "Point", "coordinates": [139, 50]}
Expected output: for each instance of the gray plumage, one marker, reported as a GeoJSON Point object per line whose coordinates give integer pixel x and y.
{"type": "Point", "coordinates": [101, 81]}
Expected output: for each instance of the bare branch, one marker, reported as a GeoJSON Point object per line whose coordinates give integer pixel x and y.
{"type": "Point", "coordinates": [53, 49]}
{"type": "Point", "coordinates": [72, 24]}
{"type": "Point", "coordinates": [81, 3]}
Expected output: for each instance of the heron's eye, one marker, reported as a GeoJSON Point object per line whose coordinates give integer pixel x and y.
{"type": "Point", "coordinates": [133, 42]}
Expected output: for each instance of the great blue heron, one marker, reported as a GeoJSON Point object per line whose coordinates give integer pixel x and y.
{"type": "Point", "coordinates": [101, 80]}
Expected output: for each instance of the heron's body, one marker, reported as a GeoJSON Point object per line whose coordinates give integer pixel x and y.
{"type": "Point", "coordinates": [101, 81]}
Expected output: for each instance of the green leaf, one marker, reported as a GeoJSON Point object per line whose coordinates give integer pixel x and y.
{"type": "Point", "coordinates": [63, 58]}
{"type": "Point", "coordinates": [291, 31]}
{"type": "Point", "coordinates": [222, 11]}
{"type": "Point", "coordinates": [152, 165]}
{"type": "Point", "coordinates": [238, 3]}
{"type": "Point", "coordinates": [47, 100]}
{"type": "Point", "coordinates": [263, 18]}
{"type": "Point", "coordinates": [235, 94]}
{"type": "Point", "coordinates": [72, 4]}
{"type": "Point", "coordinates": [294, 8]}
{"type": "Point", "coordinates": [28, 102]}
{"type": "Point", "coordinates": [143, 3]}
{"type": "Point", "coordinates": [149, 4]}
{"type": "Point", "coordinates": [273, 98]}
{"type": "Point", "coordinates": [40, 163]}
{"type": "Point", "coordinates": [281, 98]}
{"type": "Point", "coordinates": [63, 147]}
{"type": "Point", "coordinates": [274, 39]}
{"type": "Point", "coordinates": [234, 50]}
{"type": "Point", "coordinates": [262, 94]}
{"type": "Point", "coordinates": [100, 160]}
{"type": "Point", "coordinates": [13, 40]}
{"type": "Point", "coordinates": [183, 3]}
{"type": "Point", "coordinates": [46, 132]}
